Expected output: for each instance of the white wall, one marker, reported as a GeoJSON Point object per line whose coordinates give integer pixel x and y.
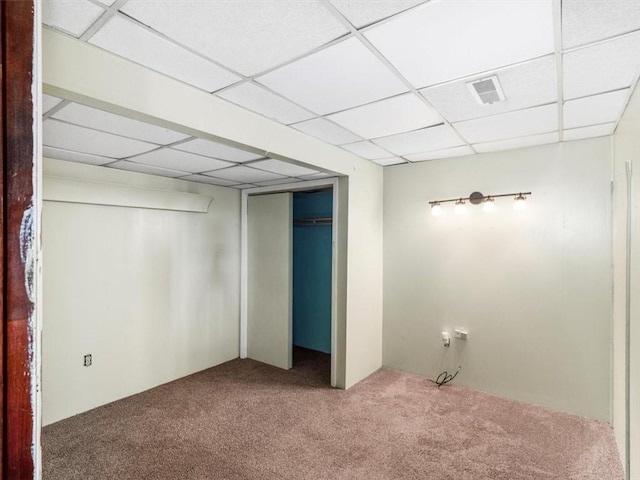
{"type": "Point", "coordinates": [626, 147]}
{"type": "Point", "coordinates": [364, 276]}
{"type": "Point", "coordinates": [153, 295]}
{"type": "Point", "coordinates": [533, 288]}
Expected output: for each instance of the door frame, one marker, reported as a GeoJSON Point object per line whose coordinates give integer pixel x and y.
{"type": "Point", "coordinates": [292, 187]}
{"type": "Point", "coordinates": [20, 188]}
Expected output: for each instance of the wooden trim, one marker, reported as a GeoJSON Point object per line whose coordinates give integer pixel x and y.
{"type": "Point", "coordinates": [17, 223]}
{"type": "Point", "coordinates": [2, 349]}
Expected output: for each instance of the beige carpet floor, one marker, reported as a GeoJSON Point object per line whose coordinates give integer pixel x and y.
{"type": "Point", "coordinates": [245, 420]}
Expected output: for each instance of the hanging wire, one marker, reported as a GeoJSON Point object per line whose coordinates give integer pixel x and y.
{"type": "Point", "coordinates": [445, 378]}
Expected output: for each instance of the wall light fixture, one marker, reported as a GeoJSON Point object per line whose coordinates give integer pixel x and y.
{"type": "Point", "coordinates": [477, 198]}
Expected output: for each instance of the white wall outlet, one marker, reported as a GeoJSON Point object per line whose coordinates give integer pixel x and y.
{"type": "Point", "coordinates": [87, 360]}
{"type": "Point", "coordinates": [446, 339]}
{"type": "Point", "coordinates": [461, 334]}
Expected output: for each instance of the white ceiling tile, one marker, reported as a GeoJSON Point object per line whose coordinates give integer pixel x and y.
{"type": "Point", "coordinates": [107, 2]}
{"type": "Point", "coordinates": [424, 140]}
{"type": "Point", "coordinates": [327, 131]}
{"type": "Point", "coordinates": [210, 180]}
{"type": "Point", "coordinates": [280, 181]}
{"type": "Point", "coordinates": [526, 85]}
{"type": "Point", "coordinates": [517, 142]}
{"type": "Point", "coordinates": [48, 102]}
{"type": "Point", "coordinates": [588, 132]}
{"type": "Point", "coordinates": [179, 160]}
{"type": "Point", "coordinates": [148, 169]}
{"type": "Point", "coordinates": [510, 125]}
{"type": "Point", "coordinates": [260, 100]}
{"type": "Point", "coordinates": [365, 12]}
{"type": "Point", "coordinates": [217, 150]}
{"type": "Point", "coordinates": [603, 108]}
{"type": "Point", "coordinates": [111, 123]}
{"type": "Point", "coordinates": [244, 35]}
{"type": "Point", "coordinates": [447, 153]}
{"type": "Point", "coordinates": [367, 150]}
{"type": "Point", "coordinates": [123, 37]}
{"type": "Point", "coordinates": [85, 140]}
{"type": "Point", "coordinates": [585, 21]}
{"type": "Point", "coordinates": [385, 162]}
{"type": "Point", "coordinates": [444, 40]}
{"type": "Point", "coordinates": [59, 154]}
{"type": "Point", "coordinates": [601, 68]}
{"type": "Point", "coordinates": [387, 117]}
{"type": "Point", "coordinates": [72, 17]}
{"type": "Point", "coordinates": [283, 168]}
{"type": "Point", "coordinates": [244, 174]}
{"type": "Point", "coordinates": [316, 83]}
{"type": "Point", "coordinates": [244, 186]}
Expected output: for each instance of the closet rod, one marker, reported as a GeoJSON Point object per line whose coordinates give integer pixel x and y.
{"type": "Point", "coordinates": [312, 221]}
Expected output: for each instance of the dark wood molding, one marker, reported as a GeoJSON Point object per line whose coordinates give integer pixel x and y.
{"type": "Point", "coordinates": [1, 255]}
{"type": "Point", "coordinates": [17, 197]}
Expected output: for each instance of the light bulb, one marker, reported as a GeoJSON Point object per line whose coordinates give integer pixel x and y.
{"type": "Point", "coordinates": [488, 205]}
{"type": "Point", "coordinates": [520, 203]}
{"type": "Point", "coordinates": [436, 209]}
{"type": "Point", "coordinates": [460, 209]}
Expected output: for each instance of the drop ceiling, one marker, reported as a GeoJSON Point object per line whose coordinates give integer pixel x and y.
{"type": "Point", "coordinates": [78, 133]}
{"type": "Point", "coordinates": [384, 80]}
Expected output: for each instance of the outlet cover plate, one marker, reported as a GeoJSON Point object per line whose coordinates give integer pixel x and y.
{"type": "Point", "coordinates": [461, 334]}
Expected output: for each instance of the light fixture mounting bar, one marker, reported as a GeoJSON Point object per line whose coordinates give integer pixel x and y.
{"type": "Point", "coordinates": [483, 197]}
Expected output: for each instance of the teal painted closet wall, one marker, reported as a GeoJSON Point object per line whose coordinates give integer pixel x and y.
{"type": "Point", "coordinates": [312, 272]}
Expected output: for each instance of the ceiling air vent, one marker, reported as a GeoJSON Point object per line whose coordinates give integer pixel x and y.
{"type": "Point", "coordinates": [486, 90]}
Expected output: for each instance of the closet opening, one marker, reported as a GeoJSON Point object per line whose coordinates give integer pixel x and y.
{"type": "Point", "coordinates": [312, 280]}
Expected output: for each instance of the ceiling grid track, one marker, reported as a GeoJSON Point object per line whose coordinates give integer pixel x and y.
{"type": "Point", "coordinates": [557, 31]}
{"type": "Point", "coordinates": [635, 84]}
{"type": "Point", "coordinates": [55, 109]}
{"type": "Point", "coordinates": [601, 41]}
{"type": "Point", "coordinates": [102, 20]}
{"type": "Point", "coordinates": [272, 92]}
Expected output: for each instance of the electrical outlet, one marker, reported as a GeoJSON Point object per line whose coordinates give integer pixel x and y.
{"type": "Point", "coordinates": [87, 360]}
{"type": "Point", "coordinates": [461, 334]}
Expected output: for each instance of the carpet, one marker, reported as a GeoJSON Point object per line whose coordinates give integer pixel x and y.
{"type": "Point", "coordinates": [246, 420]}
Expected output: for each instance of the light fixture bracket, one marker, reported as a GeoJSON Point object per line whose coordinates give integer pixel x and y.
{"type": "Point", "coordinates": [476, 198]}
